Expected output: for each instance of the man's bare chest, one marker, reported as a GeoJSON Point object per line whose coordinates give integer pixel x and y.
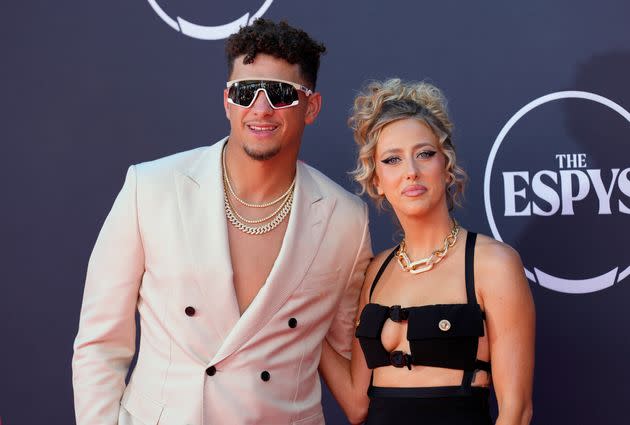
{"type": "Point", "coordinates": [253, 257]}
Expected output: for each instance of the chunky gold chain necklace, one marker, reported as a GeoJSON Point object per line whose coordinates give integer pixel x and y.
{"type": "Point", "coordinates": [263, 219]}
{"type": "Point", "coordinates": [257, 230]}
{"type": "Point", "coordinates": [426, 264]}
{"type": "Point", "coordinates": [228, 184]}
{"type": "Point", "coordinates": [243, 224]}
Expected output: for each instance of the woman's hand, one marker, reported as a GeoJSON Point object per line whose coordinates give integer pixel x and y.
{"type": "Point", "coordinates": [348, 380]}
{"type": "Point", "coordinates": [349, 391]}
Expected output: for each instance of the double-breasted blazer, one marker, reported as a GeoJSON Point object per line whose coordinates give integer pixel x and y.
{"type": "Point", "coordinates": [163, 252]}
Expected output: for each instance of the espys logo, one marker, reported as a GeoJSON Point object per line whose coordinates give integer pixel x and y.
{"type": "Point", "coordinates": [208, 32]}
{"type": "Point", "coordinates": [559, 189]}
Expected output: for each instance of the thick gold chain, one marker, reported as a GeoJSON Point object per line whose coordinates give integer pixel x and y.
{"type": "Point", "coordinates": [243, 224]}
{"type": "Point", "coordinates": [426, 264]}
{"type": "Point", "coordinates": [259, 220]}
{"type": "Point", "coordinates": [257, 230]}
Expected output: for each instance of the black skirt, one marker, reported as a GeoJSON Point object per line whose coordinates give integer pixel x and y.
{"type": "Point", "coordinates": [428, 406]}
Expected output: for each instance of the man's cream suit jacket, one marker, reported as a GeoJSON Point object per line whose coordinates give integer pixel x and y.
{"type": "Point", "coordinates": [163, 248]}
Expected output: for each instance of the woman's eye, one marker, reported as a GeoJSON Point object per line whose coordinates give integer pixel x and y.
{"type": "Point", "coordinates": [426, 154]}
{"type": "Point", "coordinates": [391, 160]}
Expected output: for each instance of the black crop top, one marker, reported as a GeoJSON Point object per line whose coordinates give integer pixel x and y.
{"type": "Point", "coordinates": [442, 335]}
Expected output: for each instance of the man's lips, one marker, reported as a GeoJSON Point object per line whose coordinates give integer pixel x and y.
{"type": "Point", "coordinates": [414, 190]}
{"type": "Point", "coordinates": [262, 127]}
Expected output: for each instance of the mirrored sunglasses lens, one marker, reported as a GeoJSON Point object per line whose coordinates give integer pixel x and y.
{"type": "Point", "coordinates": [242, 93]}
{"type": "Point", "coordinates": [281, 94]}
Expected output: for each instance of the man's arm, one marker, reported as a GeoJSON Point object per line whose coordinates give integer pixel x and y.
{"type": "Point", "coordinates": [342, 329]}
{"type": "Point", "coordinates": [105, 343]}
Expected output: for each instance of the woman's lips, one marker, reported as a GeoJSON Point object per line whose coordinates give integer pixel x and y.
{"type": "Point", "coordinates": [414, 190]}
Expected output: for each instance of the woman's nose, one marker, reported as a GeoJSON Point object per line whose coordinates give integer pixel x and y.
{"type": "Point", "coordinates": [411, 170]}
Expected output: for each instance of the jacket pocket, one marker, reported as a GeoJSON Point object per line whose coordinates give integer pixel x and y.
{"type": "Point", "coordinates": [142, 407]}
{"type": "Point", "coordinates": [315, 281]}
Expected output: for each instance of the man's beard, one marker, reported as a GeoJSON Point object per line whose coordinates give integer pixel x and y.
{"type": "Point", "coordinates": [261, 156]}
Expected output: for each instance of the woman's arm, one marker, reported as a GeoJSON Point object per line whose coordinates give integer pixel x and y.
{"type": "Point", "coordinates": [348, 380]}
{"type": "Point", "coordinates": [510, 320]}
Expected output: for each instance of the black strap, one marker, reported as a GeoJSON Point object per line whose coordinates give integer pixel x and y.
{"type": "Point", "coordinates": [400, 359]}
{"type": "Point", "coordinates": [471, 238]}
{"type": "Point", "coordinates": [470, 267]}
{"type": "Point", "coordinates": [398, 314]}
{"type": "Point", "coordinates": [376, 278]}
{"type": "Point", "coordinates": [468, 378]}
{"type": "Point", "coordinates": [483, 365]}
{"type": "Point", "coordinates": [382, 269]}
{"type": "Point", "coordinates": [469, 375]}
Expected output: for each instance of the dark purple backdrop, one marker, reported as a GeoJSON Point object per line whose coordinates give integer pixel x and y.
{"type": "Point", "coordinates": [88, 88]}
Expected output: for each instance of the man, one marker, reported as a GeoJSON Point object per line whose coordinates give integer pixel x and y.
{"type": "Point", "coordinates": [239, 259]}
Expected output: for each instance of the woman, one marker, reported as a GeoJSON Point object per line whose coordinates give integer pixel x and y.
{"type": "Point", "coordinates": [446, 313]}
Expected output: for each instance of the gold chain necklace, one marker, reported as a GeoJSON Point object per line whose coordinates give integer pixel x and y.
{"type": "Point", "coordinates": [248, 204]}
{"type": "Point", "coordinates": [242, 223]}
{"type": "Point", "coordinates": [259, 220]}
{"type": "Point", "coordinates": [426, 264]}
{"type": "Point", "coordinates": [257, 230]}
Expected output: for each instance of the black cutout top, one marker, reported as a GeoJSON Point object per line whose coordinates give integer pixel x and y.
{"type": "Point", "coordinates": [441, 335]}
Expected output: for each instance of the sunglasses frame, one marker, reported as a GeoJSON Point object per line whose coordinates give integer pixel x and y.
{"type": "Point", "coordinates": [296, 86]}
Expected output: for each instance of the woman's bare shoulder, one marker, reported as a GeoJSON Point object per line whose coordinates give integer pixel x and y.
{"type": "Point", "coordinates": [498, 266]}
{"type": "Point", "coordinates": [490, 252]}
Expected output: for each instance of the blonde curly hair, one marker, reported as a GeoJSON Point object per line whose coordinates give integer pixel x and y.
{"type": "Point", "coordinates": [382, 103]}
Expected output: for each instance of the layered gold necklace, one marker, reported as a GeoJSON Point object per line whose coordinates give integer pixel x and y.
{"type": "Point", "coordinates": [244, 224]}
{"type": "Point", "coordinates": [426, 264]}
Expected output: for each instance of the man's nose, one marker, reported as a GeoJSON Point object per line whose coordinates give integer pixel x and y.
{"type": "Point", "coordinates": [261, 103]}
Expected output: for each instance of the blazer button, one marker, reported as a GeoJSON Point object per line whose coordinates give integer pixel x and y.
{"type": "Point", "coordinates": [292, 322]}
{"type": "Point", "coordinates": [211, 371]}
{"type": "Point", "coordinates": [265, 376]}
{"type": "Point", "coordinates": [190, 311]}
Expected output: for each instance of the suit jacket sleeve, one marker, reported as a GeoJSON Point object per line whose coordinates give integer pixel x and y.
{"type": "Point", "coordinates": [342, 328]}
{"type": "Point", "coordinates": [105, 343]}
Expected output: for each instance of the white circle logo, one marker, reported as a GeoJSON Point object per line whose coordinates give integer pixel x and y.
{"type": "Point", "coordinates": [205, 32]}
{"type": "Point", "coordinates": [555, 192]}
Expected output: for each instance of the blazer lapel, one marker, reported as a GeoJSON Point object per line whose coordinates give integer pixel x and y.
{"type": "Point", "coordinates": [200, 197]}
{"type": "Point", "coordinates": [305, 230]}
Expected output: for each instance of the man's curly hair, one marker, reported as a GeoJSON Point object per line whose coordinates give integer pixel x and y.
{"type": "Point", "coordinates": [279, 40]}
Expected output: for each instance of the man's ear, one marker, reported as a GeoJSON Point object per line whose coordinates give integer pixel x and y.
{"type": "Point", "coordinates": [313, 106]}
{"type": "Point", "coordinates": [226, 104]}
